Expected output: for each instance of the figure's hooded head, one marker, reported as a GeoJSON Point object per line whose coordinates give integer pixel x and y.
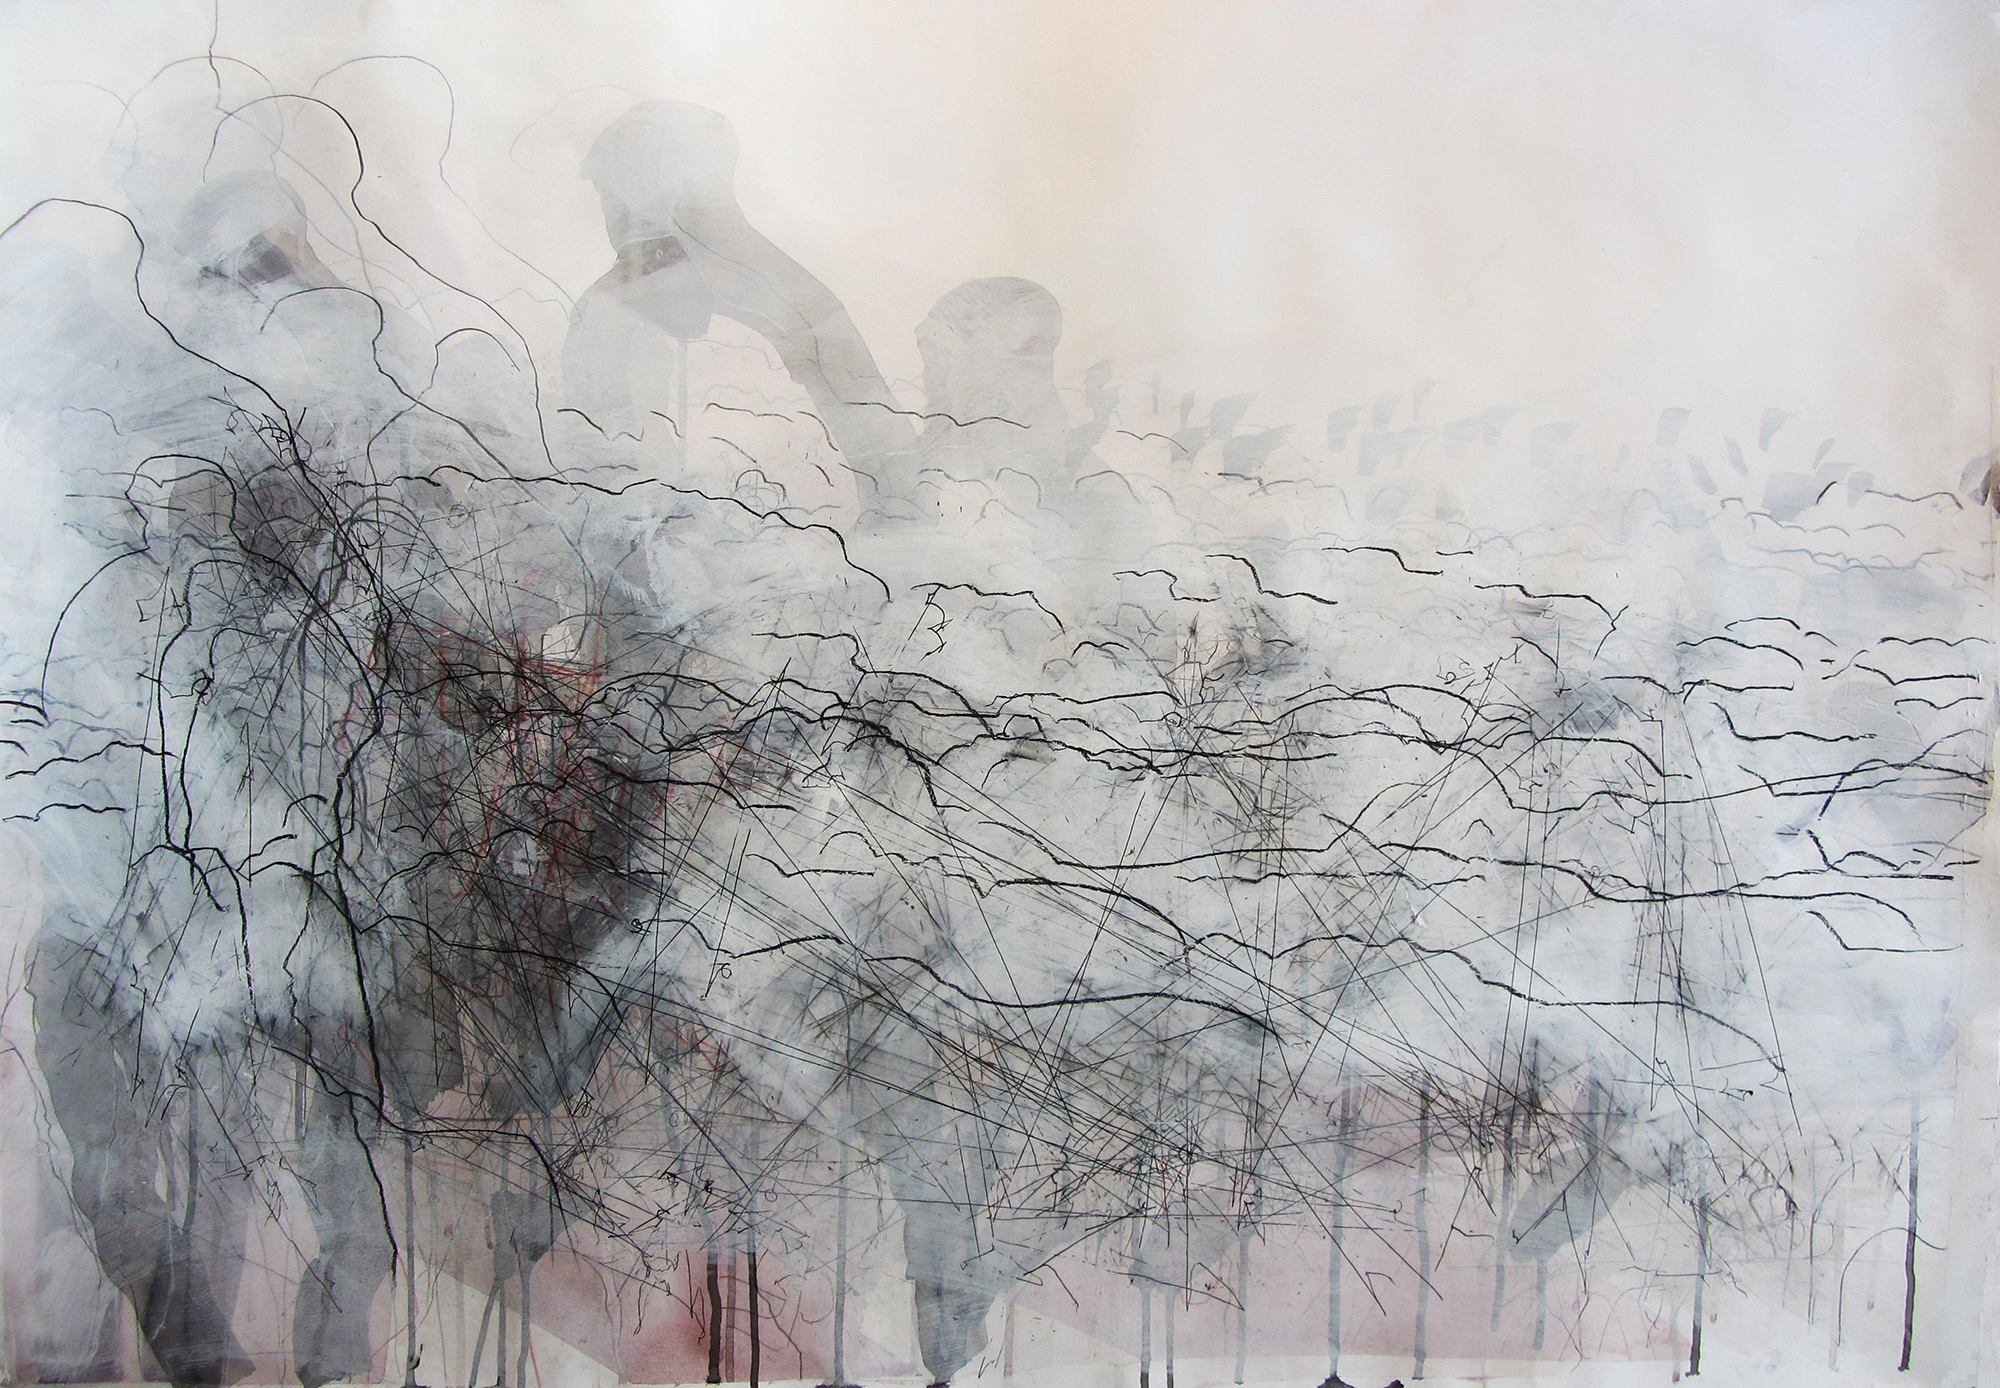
{"type": "Point", "coordinates": [249, 227]}
{"type": "Point", "coordinates": [657, 159]}
{"type": "Point", "coordinates": [990, 379]}
{"type": "Point", "coordinates": [1004, 323]}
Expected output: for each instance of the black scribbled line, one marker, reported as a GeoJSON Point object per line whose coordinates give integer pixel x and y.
{"type": "Point", "coordinates": [1172, 580]}
{"type": "Point", "coordinates": [1742, 736]}
{"type": "Point", "coordinates": [1396, 555]}
{"type": "Point", "coordinates": [1028, 593]}
{"type": "Point", "coordinates": [1744, 645]}
{"type": "Point", "coordinates": [1609, 616]}
{"type": "Point", "coordinates": [956, 423]}
{"type": "Point", "coordinates": [1257, 579]}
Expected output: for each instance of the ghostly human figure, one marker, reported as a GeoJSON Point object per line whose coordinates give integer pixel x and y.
{"type": "Point", "coordinates": [155, 1116]}
{"type": "Point", "coordinates": [685, 254]}
{"type": "Point", "coordinates": [665, 172]}
{"type": "Point", "coordinates": [990, 401]}
{"type": "Point", "coordinates": [141, 1110]}
{"type": "Point", "coordinates": [250, 229]}
{"type": "Point", "coordinates": [108, 1094]}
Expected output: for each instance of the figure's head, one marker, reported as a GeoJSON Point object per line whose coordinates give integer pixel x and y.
{"type": "Point", "coordinates": [990, 321]}
{"type": "Point", "coordinates": [657, 159]}
{"type": "Point", "coordinates": [249, 227]}
{"type": "Point", "coordinates": [989, 353]}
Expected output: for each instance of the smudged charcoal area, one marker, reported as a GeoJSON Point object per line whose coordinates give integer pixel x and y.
{"type": "Point", "coordinates": [680, 854]}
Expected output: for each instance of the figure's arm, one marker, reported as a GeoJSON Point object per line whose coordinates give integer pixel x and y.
{"type": "Point", "coordinates": [666, 173]}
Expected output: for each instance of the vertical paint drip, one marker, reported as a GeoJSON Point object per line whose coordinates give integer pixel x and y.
{"type": "Point", "coordinates": [1337, 1237]}
{"type": "Point", "coordinates": [1007, 1353]}
{"type": "Point", "coordinates": [756, 1332]}
{"type": "Point", "coordinates": [840, 1276]}
{"type": "Point", "coordinates": [1541, 1301]}
{"type": "Point", "coordinates": [1242, 1300]}
{"type": "Point", "coordinates": [1173, 1305]}
{"type": "Point", "coordinates": [188, 1206]}
{"type": "Point", "coordinates": [408, 1252]}
{"type": "Point", "coordinates": [500, 1341]}
{"type": "Point", "coordinates": [1700, 1282]}
{"type": "Point", "coordinates": [452, 1332]}
{"type": "Point", "coordinates": [1145, 1335]}
{"type": "Point", "coordinates": [527, 1325]}
{"type": "Point", "coordinates": [681, 404]}
{"type": "Point", "coordinates": [729, 1316]}
{"type": "Point", "coordinates": [1333, 1293]}
{"type": "Point", "coordinates": [714, 1314]}
{"type": "Point", "coordinates": [479, 1344]}
{"type": "Point", "coordinates": [1423, 1230]}
{"type": "Point", "coordinates": [1501, 1251]}
{"type": "Point", "coordinates": [1910, 1247]}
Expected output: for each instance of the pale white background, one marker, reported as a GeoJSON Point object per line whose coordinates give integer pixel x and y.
{"type": "Point", "coordinates": [1587, 210]}
{"type": "Point", "coordinates": [1570, 206]}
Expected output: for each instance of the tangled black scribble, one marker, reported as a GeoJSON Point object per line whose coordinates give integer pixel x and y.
{"type": "Point", "coordinates": [667, 819]}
